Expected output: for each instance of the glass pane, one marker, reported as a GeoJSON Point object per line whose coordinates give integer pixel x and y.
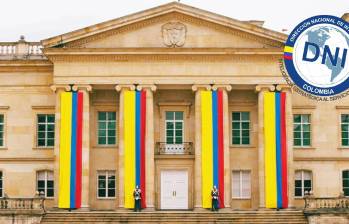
{"type": "Point", "coordinates": [346, 191]}
{"type": "Point", "coordinates": [102, 133]}
{"type": "Point", "coordinates": [50, 127]}
{"type": "Point", "coordinates": [102, 125]}
{"type": "Point", "coordinates": [346, 174]}
{"type": "Point", "coordinates": [245, 125]}
{"type": "Point", "coordinates": [307, 183]}
{"type": "Point", "coordinates": [305, 118]}
{"type": "Point", "coordinates": [179, 140]}
{"type": "Point", "coordinates": [245, 141]}
{"type": "Point", "coordinates": [169, 115]}
{"type": "Point", "coordinates": [1, 127]}
{"type": "Point", "coordinates": [298, 192]}
{"type": "Point", "coordinates": [297, 134]}
{"type": "Point", "coordinates": [112, 116]}
{"type": "Point", "coordinates": [345, 182]}
{"type": "Point", "coordinates": [101, 184]}
{"type": "Point", "coordinates": [169, 140]}
{"type": "Point", "coordinates": [245, 133]}
{"type": "Point", "coordinates": [169, 125]}
{"type": "Point", "coordinates": [297, 118]}
{"type": "Point", "coordinates": [236, 116]}
{"type": "Point", "coordinates": [50, 142]}
{"type": "Point", "coordinates": [297, 142]}
{"type": "Point", "coordinates": [101, 193]}
{"type": "Point", "coordinates": [111, 192]}
{"type": "Point", "coordinates": [306, 142]}
{"type": "Point", "coordinates": [41, 118]}
{"type": "Point", "coordinates": [179, 115]}
{"type": "Point", "coordinates": [1, 141]}
{"type": "Point", "coordinates": [111, 183]}
{"type": "Point", "coordinates": [50, 192]}
{"type": "Point", "coordinates": [236, 133]}
{"type": "Point", "coordinates": [236, 125]}
{"type": "Point", "coordinates": [345, 142]}
{"type": "Point", "coordinates": [236, 140]}
{"type": "Point", "coordinates": [111, 125]}
{"type": "Point", "coordinates": [50, 134]}
{"type": "Point", "coordinates": [1, 118]}
{"type": "Point", "coordinates": [41, 134]}
{"type": "Point", "coordinates": [179, 133]}
{"type": "Point", "coordinates": [297, 127]}
{"type": "Point", "coordinates": [344, 127]}
{"type": "Point", "coordinates": [306, 127]}
{"type": "Point", "coordinates": [298, 183]}
{"type": "Point", "coordinates": [245, 116]}
{"type": "Point", "coordinates": [345, 134]}
{"type": "Point", "coordinates": [111, 133]}
{"type": "Point", "coordinates": [111, 140]}
{"type": "Point", "coordinates": [306, 134]}
{"type": "Point", "coordinates": [41, 127]}
{"type": "Point", "coordinates": [102, 116]}
{"type": "Point", "coordinates": [41, 184]}
{"type": "Point", "coordinates": [345, 118]}
{"type": "Point", "coordinates": [51, 118]}
{"type": "Point", "coordinates": [169, 133]}
{"type": "Point", "coordinates": [41, 142]}
{"type": "Point", "coordinates": [179, 125]}
{"type": "Point", "coordinates": [50, 183]}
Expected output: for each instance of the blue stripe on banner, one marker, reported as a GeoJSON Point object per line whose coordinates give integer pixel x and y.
{"type": "Point", "coordinates": [73, 150]}
{"type": "Point", "coordinates": [138, 136]}
{"type": "Point", "coordinates": [215, 137]}
{"type": "Point", "coordinates": [278, 150]}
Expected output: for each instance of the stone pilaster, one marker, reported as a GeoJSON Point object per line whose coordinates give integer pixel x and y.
{"type": "Point", "coordinates": [120, 167]}
{"type": "Point", "coordinates": [149, 145]}
{"type": "Point", "coordinates": [227, 171]}
{"type": "Point", "coordinates": [197, 171]}
{"type": "Point", "coordinates": [289, 133]}
{"type": "Point", "coordinates": [57, 89]}
{"type": "Point", "coordinates": [261, 89]}
{"type": "Point", "coordinates": [85, 89]}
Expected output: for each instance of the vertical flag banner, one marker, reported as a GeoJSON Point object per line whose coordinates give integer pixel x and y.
{"type": "Point", "coordinates": [134, 145]}
{"type": "Point", "coordinates": [70, 151]}
{"type": "Point", "coordinates": [212, 151]}
{"type": "Point", "coordinates": [275, 151]}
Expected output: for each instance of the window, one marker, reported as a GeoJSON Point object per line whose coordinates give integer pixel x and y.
{"type": "Point", "coordinates": [106, 184]}
{"type": "Point", "coordinates": [1, 186]}
{"type": "Point", "coordinates": [174, 127]}
{"type": "Point", "coordinates": [345, 182]}
{"type": "Point", "coordinates": [241, 128]}
{"type": "Point", "coordinates": [301, 129]}
{"type": "Point", "coordinates": [45, 130]}
{"type": "Point", "coordinates": [1, 130]}
{"type": "Point", "coordinates": [345, 129]}
{"type": "Point", "coordinates": [45, 183]}
{"type": "Point", "coordinates": [106, 128]}
{"type": "Point", "coordinates": [241, 184]}
{"type": "Point", "coordinates": [303, 183]}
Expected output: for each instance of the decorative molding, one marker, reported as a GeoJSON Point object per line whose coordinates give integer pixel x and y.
{"type": "Point", "coordinates": [319, 159]}
{"type": "Point", "coordinates": [174, 34]}
{"type": "Point", "coordinates": [146, 86]}
{"type": "Point", "coordinates": [342, 107]}
{"type": "Point", "coordinates": [197, 87]}
{"type": "Point", "coordinates": [27, 159]}
{"type": "Point", "coordinates": [43, 107]}
{"type": "Point", "coordinates": [4, 107]}
{"type": "Point", "coordinates": [82, 87]}
{"type": "Point", "coordinates": [284, 87]}
{"type": "Point", "coordinates": [299, 107]}
{"type": "Point", "coordinates": [54, 88]}
{"type": "Point", "coordinates": [173, 104]}
{"type": "Point", "coordinates": [261, 88]}
{"type": "Point", "coordinates": [118, 88]}
{"type": "Point", "coordinates": [105, 103]}
{"type": "Point", "coordinates": [222, 86]}
{"type": "Point", "coordinates": [243, 103]}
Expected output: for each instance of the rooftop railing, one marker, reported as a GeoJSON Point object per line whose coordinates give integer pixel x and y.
{"type": "Point", "coordinates": [21, 50]}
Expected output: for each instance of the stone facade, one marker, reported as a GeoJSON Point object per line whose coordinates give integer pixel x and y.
{"type": "Point", "coordinates": [215, 52]}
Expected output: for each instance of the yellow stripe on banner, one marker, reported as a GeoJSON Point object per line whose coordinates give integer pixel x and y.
{"type": "Point", "coordinates": [270, 151]}
{"type": "Point", "coordinates": [129, 147]}
{"type": "Point", "coordinates": [64, 150]}
{"type": "Point", "coordinates": [206, 148]}
{"type": "Point", "coordinates": [288, 49]}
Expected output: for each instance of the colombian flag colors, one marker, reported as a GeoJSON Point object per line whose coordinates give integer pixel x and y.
{"type": "Point", "coordinates": [70, 150]}
{"type": "Point", "coordinates": [212, 151]}
{"type": "Point", "coordinates": [134, 145]}
{"type": "Point", "coordinates": [275, 151]}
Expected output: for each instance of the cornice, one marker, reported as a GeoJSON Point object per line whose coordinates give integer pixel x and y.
{"type": "Point", "coordinates": [26, 66]}
{"type": "Point", "coordinates": [26, 159]}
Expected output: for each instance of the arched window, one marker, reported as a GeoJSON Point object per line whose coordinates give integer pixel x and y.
{"type": "Point", "coordinates": [345, 182]}
{"type": "Point", "coordinates": [44, 183]}
{"type": "Point", "coordinates": [303, 182]}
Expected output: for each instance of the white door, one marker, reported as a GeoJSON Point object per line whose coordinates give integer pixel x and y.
{"type": "Point", "coordinates": [174, 189]}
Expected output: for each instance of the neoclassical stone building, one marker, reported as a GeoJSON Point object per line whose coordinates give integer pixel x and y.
{"type": "Point", "coordinates": [172, 52]}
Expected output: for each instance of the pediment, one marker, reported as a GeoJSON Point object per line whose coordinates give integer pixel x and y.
{"type": "Point", "coordinates": [167, 26]}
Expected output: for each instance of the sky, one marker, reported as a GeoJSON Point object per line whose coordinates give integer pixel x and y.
{"type": "Point", "coordinates": [41, 19]}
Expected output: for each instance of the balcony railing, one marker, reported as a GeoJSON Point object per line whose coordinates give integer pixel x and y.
{"type": "Point", "coordinates": [313, 203]}
{"type": "Point", "coordinates": [186, 148]}
{"type": "Point", "coordinates": [21, 50]}
{"type": "Point", "coordinates": [36, 203]}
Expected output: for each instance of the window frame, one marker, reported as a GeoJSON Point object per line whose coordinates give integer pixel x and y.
{"type": "Point", "coordinates": [241, 185]}
{"type": "Point", "coordinates": [341, 131]}
{"type": "Point", "coordinates": [106, 172]}
{"type": "Point", "coordinates": [45, 181]}
{"type": "Point", "coordinates": [107, 122]}
{"type": "Point", "coordinates": [2, 192]}
{"type": "Point", "coordinates": [342, 180]}
{"type": "Point", "coordinates": [174, 121]}
{"type": "Point", "coordinates": [302, 182]}
{"type": "Point", "coordinates": [46, 123]}
{"type": "Point", "coordinates": [301, 131]}
{"type": "Point", "coordinates": [240, 129]}
{"type": "Point", "coordinates": [3, 130]}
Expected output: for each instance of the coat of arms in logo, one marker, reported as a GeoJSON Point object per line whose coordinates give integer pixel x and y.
{"type": "Point", "coordinates": [173, 34]}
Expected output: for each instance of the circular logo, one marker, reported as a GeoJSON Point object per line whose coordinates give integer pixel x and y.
{"type": "Point", "coordinates": [316, 55]}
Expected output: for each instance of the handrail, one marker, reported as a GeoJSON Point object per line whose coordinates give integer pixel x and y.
{"type": "Point", "coordinates": [186, 148]}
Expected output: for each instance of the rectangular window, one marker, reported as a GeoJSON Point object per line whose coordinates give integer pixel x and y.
{"type": "Point", "coordinates": [345, 129]}
{"type": "Point", "coordinates": [106, 184]}
{"type": "Point", "coordinates": [301, 130]}
{"type": "Point", "coordinates": [45, 184]}
{"type": "Point", "coordinates": [241, 184]}
{"type": "Point", "coordinates": [45, 130]}
{"type": "Point", "coordinates": [345, 180]}
{"type": "Point", "coordinates": [303, 182]}
{"type": "Point", "coordinates": [2, 130]}
{"type": "Point", "coordinates": [174, 127]}
{"type": "Point", "coordinates": [106, 128]}
{"type": "Point", "coordinates": [1, 186]}
{"type": "Point", "coordinates": [241, 128]}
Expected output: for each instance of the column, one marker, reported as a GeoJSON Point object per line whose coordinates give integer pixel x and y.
{"type": "Point", "coordinates": [197, 171]}
{"type": "Point", "coordinates": [85, 89]}
{"type": "Point", "coordinates": [289, 133]}
{"type": "Point", "coordinates": [227, 171]}
{"type": "Point", "coordinates": [121, 89]}
{"type": "Point", "coordinates": [261, 89]}
{"type": "Point", "coordinates": [149, 145]}
{"type": "Point", "coordinates": [57, 89]}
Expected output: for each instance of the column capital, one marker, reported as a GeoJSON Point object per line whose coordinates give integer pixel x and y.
{"type": "Point", "coordinates": [54, 88]}
{"type": "Point", "coordinates": [262, 87]}
{"type": "Point", "coordinates": [197, 87]}
{"type": "Point", "coordinates": [222, 87]}
{"type": "Point", "coordinates": [151, 87]}
{"type": "Point", "coordinates": [87, 88]}
{"type": "Point", "coordinates": [284, 87]}
{"type": "Point", "coordinates": [120, 87]}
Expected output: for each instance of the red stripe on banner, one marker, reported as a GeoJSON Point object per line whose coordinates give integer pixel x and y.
{"type": "Point", "coordinates": [287, 57]}
{"type": "Point", "coordinates": [220, 149]}
{"type": "Point", "coordinates": [79, 120]}
{"type": "Point", "coordinates": [283, 151]}
{"type": "Point", "coordinates": [142, 144]}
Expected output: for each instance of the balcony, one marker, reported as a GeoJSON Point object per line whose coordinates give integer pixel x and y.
{"type": "Point", "coordinates": [186, 148]}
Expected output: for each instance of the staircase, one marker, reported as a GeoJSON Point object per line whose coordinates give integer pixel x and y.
{"type": "Point", "coordinates": [253, 217]}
